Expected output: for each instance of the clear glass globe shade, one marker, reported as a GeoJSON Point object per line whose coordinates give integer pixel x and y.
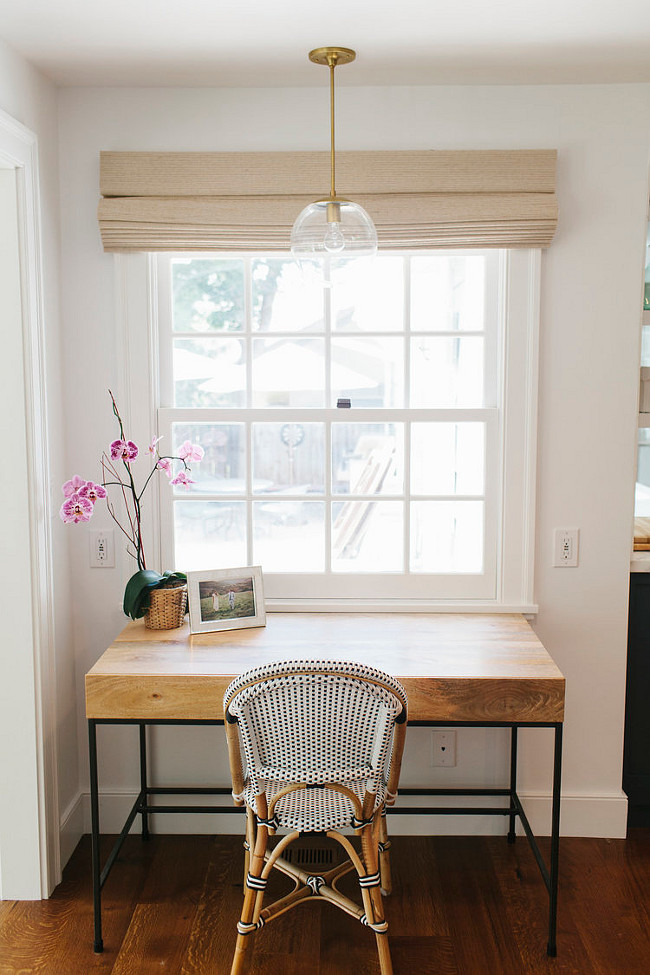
{"type": "Point", "coordinates": [352, 234]}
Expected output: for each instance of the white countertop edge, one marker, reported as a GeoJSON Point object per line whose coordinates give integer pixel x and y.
{"type": "Point", "coordinates": [640, 562]}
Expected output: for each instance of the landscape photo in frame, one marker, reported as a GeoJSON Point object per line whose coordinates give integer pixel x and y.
{"type": "Point", "coordinates": [226, 599]}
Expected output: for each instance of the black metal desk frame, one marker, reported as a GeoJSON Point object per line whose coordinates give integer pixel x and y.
{"type": "Point", "coordinates": [513, 809]}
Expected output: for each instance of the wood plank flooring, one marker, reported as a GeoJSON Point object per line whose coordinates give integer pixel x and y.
{"type": "Point", "coordinates": [460, 906]}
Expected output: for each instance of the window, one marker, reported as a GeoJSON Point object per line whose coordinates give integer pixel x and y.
{"type": "Point", "coordinates": [420, 492]}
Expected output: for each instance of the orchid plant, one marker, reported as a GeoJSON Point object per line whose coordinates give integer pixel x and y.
{"type": "Point", "coordinates": [118, 475]}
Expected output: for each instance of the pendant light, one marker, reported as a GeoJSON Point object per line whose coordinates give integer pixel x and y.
{"type": "Point", "coordinates": [332, 226]}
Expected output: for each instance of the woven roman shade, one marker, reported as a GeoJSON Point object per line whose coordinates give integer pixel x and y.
{"type": "Point", "coordinates": [230, 201]}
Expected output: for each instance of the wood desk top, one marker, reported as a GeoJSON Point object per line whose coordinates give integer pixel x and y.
{"type": "Point", "coordinates": [454, 667]}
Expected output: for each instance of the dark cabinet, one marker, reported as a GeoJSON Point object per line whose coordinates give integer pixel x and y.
{"type": "Point", "coordinates": [636, 754]}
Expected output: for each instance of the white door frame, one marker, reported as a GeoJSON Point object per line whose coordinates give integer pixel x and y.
{"type": "Point", "coordinates": [29, 854]}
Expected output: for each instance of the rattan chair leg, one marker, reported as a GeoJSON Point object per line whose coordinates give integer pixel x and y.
{"type": "Point", "coordinates": [251, 907]}
{"type": "Point", "coordinates": [242, 954]}
{"type": "Point", "coordinates": [249, 843]}
{"type": "Point", "coordinates": [377, 906]}
{"type": "Point", "coordinates": [383, 947]}
{"type": "Point", "coordinates": [372, 896]}
{"type": "Point", "coordinates": [247, 861]}
{"type": "Point", "coordinates": [370, 849]}
{"type": "Point", "coordinates": [385, 962]}
{"type": "Point", "coordinates": [384, 859]}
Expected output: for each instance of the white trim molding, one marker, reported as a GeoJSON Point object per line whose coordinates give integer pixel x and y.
{"type": "Point", "coordinates": [37, 875]}
{"type": "Point", "coordinates": [137, 394]}
{"type": "Point", "coordinates": [72, 826]}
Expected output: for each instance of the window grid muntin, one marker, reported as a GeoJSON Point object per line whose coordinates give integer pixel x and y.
{"type": "Point", "coordinates": [406, 334]}
{"type": "Point", "coordinates": [489, 417]}
{"type": "Point", "coordinates": [271, 414]}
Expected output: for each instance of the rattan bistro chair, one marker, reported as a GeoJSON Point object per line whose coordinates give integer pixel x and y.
{"type": "Point", "coordinates": [322, 746]}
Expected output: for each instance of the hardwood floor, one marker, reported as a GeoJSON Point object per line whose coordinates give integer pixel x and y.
{"type": "Point", "coordinates": [461, 906]}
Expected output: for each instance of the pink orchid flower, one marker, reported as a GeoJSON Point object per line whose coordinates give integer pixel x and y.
{"type": "Point", "coordinates": [165, 464]}
{"type": "Point", "coordinates": [182, 478]}
{"type": "Point", "coordinates": [73, 486]}
{"type": "Point", "coordinates": [124, 450]}
{"type": "Point", "coordinates": [190, 451]}
{"type": "Point", "coordinates": [151, 449]}
{"type": "Point", "coordinates": [76, 509]}
{"type": "Point", "coordinates": [92, 491]}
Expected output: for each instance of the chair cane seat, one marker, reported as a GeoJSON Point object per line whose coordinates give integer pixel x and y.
{"type": "Point", "coordinates": [314, 809]}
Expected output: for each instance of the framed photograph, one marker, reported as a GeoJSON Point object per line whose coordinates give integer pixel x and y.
{"type": "Point", "coordinates": [225, 599]}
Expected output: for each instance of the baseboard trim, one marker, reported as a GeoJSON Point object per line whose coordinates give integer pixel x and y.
{"type": "Point", "coordinates": [114, 807]}
{"type": "Point", "coordinates": [595, 816]}
{"type": "Point", "coordinates": [603, 816]}
{"type": "Point", "coordinates": [587, 816]}
{"type": "Point", "coordinates": [72, 826]}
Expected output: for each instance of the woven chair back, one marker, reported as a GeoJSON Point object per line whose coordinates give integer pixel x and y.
{"type": "Point", "coordinates": [316, 722]}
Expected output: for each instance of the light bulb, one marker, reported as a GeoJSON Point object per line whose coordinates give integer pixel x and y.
{"type": "Point", "coordinates": [314, 233]}
{"type": "Point", "coordinates": [334, 241]}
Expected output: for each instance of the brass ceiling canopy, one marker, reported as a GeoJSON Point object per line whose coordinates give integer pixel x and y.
{"type": "Point", "coordinates": [332, 55]}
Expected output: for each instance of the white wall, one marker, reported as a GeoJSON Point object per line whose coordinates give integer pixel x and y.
{"type": "Point", "coordinates": [591, 301]}
{"type": "Point", "coordinates": [32, 100]}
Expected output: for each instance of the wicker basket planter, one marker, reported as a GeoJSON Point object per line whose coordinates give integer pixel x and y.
{"type": "Point", "coordinates": [167, 605]}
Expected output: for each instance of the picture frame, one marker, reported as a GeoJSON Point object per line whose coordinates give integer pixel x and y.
{"type": "Point", "coordinates": [226, 599]}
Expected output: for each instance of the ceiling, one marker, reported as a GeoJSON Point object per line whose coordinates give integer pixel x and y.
{"type": "Point", "coordinates": [253, 43]}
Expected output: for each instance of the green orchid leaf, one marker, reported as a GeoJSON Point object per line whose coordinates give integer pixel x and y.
{"type": "Point", "coordinates": [173, 576]}
{"type": "Point", "coordinates": [137, 589]}
{"type": "Point", "coordinates": [136, 594]}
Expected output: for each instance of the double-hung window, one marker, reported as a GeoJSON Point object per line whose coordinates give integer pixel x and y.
{"type": "Point", "coordinates": [368, 434]}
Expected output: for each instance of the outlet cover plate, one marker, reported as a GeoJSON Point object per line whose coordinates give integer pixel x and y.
{"type": "Point", "coordinates": [444, 749]}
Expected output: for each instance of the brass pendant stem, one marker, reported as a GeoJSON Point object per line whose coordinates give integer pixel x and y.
{"type": "Point", "coordinates": [332, 65]}
{"type": "Point", "coordinates": [332, 56]}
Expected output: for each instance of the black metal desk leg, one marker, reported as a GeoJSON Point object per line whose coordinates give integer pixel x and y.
{"type": "Point", "coordinates": [143, 779]}
{"type": "Point", "coordinates": [94, 820]}
{"type": "Point", "coordinates": [555, 844]}
{"type": "Point", "coordinates": [513, 782]}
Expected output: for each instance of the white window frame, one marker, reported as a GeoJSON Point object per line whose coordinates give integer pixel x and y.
{"type": "Point", "coordinates": [509, 513]}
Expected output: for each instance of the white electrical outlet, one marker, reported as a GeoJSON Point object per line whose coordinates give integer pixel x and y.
{"type": "Point", "coordinates": [444, 748]}
{"type": "Point", "coordinates": [102, 552]}
{"type": "Point", "coordinates": [565, 547]}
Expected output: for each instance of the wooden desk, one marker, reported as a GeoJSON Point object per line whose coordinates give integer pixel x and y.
{"type": "Point", "coordinates": [453, 667]}
{"type": "Point", "coordinates": [457, 669]}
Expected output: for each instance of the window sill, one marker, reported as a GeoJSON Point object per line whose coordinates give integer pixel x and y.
{"type": "Point", "coordinates": [395, 606]}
